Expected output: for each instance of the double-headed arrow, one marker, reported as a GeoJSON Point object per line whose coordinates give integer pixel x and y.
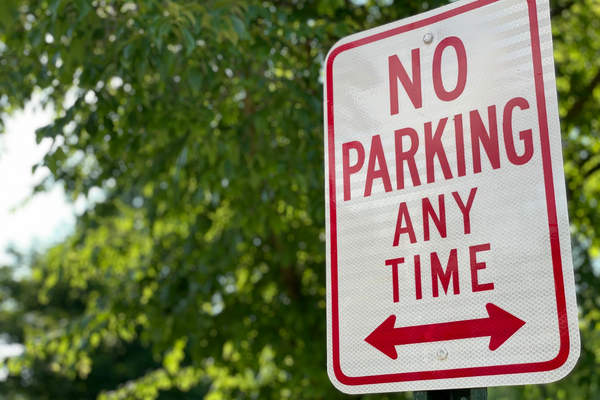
{"type": "Point", "coordinates": [500, 326]}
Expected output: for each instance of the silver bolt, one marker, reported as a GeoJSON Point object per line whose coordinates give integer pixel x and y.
{"type": "Point", "coordinates": [428, 38]}
{"type": "Point", "coordinates": [442, 353]}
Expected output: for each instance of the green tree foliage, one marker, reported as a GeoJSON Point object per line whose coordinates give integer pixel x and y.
{"type": "Point", "coordinates": [194, 131]}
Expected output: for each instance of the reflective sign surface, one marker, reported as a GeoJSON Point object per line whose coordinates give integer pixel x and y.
{"type": "Point", "coordinates": [449, 261]}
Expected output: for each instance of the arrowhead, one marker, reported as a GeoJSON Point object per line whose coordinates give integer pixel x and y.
{"type": "Point", "coordinates": [382, 338]}
{"type": "Point", "coordinates": [502, 325]}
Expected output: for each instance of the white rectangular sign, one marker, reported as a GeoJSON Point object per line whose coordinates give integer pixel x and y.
{"type": "Point", "coordinates": [449, 261]}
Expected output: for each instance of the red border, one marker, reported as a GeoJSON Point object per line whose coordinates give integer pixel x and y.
{"type": "Point", "coordinates": [563, 353]}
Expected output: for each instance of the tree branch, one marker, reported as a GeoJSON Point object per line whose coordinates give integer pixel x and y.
{"type": "Point", "coordinates": [585, 95]}
{"type": "Point", "coordinates": [592, 170]}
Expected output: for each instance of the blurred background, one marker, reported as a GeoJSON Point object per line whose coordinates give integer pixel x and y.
{"type": "Point", "coordinates": [161, 195]}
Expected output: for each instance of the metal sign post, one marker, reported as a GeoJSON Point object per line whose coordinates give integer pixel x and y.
{"type": "Point", "coordinates": [456, 394]}
{"type": "Point", "coordinates": [448, 244]}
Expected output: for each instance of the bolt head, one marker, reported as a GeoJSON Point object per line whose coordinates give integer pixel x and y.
{"type": "Point", "coordinates": [442, 353]}
{"type": "Point", "coordinates": [428, 38]}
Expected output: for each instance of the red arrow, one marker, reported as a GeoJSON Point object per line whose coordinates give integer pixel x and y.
{"type": "Point", "coordinates": [500, 326]}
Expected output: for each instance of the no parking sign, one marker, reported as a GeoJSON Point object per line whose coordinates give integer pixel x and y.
{"type": "Point", "coordinates": [449, 262]}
